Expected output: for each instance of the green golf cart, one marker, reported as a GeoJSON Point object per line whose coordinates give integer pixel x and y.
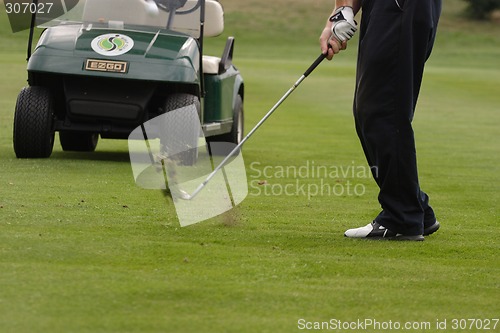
{"type": "Point", "coordinates": [108, 66]}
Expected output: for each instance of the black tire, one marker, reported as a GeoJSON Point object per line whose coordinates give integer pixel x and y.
{"type": "Point", "coordinates": [238, 128]}
{"type": "Point", "coordinates": [77, 141]}
{"type": "Point", "coordinates": [33, 123]}
{"type": "Point", "coordinates": [181, 141]}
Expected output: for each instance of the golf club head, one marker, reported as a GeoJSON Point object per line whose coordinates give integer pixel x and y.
{"type": "Point", "coordinates": [184, 195]}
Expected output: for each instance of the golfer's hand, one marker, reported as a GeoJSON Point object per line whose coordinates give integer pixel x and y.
{"type": "Point", "coordinates": [343, 25]}
{"type": "Point", "coordinates": [329, 44]}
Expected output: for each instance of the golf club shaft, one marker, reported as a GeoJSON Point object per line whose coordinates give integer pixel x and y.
{"type": "Point", "coordinates": [268, 114]}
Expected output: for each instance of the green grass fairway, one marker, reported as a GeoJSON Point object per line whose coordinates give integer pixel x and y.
{"type": "Point", "coordinates": [83, 249]}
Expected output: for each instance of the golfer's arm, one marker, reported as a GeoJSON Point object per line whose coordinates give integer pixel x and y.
{"type": "Point", "coordinates": [355, 4]}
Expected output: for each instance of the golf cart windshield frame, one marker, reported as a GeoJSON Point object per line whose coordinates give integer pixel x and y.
{"type": "Point", "coordinates": [184, 16]}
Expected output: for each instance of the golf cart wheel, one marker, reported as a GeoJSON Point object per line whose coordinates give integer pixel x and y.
{"type": "Point", "coordinates": [182, 143]}
{"type": "Point", "coordinates": [33, 123]}
{"type": "Point", "coordinates": [74, 141]}
{"type": "Point", "coordinates": [236, 134]}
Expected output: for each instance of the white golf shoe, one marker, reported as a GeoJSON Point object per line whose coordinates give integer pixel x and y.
{"type": "Point", "coordinates": [374, 230]}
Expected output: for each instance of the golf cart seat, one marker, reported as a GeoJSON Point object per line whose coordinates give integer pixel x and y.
{"type": "Point", "coordinates": [216, 65]}
{"type": "Point", "coordinates": [113, 12]}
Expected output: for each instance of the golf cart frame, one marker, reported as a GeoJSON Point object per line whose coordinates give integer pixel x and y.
{"type": "Point", "coordinates": [78, 89]}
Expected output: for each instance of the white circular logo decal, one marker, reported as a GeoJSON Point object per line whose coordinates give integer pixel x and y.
{"type": "Point", "coordinates": [112, 45]}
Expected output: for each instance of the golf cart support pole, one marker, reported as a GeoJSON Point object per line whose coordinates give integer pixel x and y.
{"type": "Point", "coordinates": [187, 196]}
{"type": "Point", "coordinates": [32, 28]}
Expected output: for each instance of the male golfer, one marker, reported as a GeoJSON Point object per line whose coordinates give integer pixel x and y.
{"type": "Point", "coordinates": [396, 38]}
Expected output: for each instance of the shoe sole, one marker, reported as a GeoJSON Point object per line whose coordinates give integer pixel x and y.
{"type": "Point", "coordinates": [432, 229]}
{"type": "Point", "coordinates": [414, 238]}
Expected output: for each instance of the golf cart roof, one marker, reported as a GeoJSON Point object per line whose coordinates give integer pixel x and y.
{"type": "Point", "coordinates": [184, 16]}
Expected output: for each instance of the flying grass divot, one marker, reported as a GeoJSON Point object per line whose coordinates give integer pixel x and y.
{"type": "Point", "coordinates": [163, 157]}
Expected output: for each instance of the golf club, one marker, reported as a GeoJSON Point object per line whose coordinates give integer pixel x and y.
{"type": "Point", "coordinates": [186, 196]}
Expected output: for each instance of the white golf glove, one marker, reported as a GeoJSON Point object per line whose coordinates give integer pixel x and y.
{"type": "Point", "coordinates": [344, 26]}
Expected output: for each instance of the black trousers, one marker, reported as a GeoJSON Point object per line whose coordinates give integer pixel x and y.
{"type": "Point", "coordinates": [396, 38]}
